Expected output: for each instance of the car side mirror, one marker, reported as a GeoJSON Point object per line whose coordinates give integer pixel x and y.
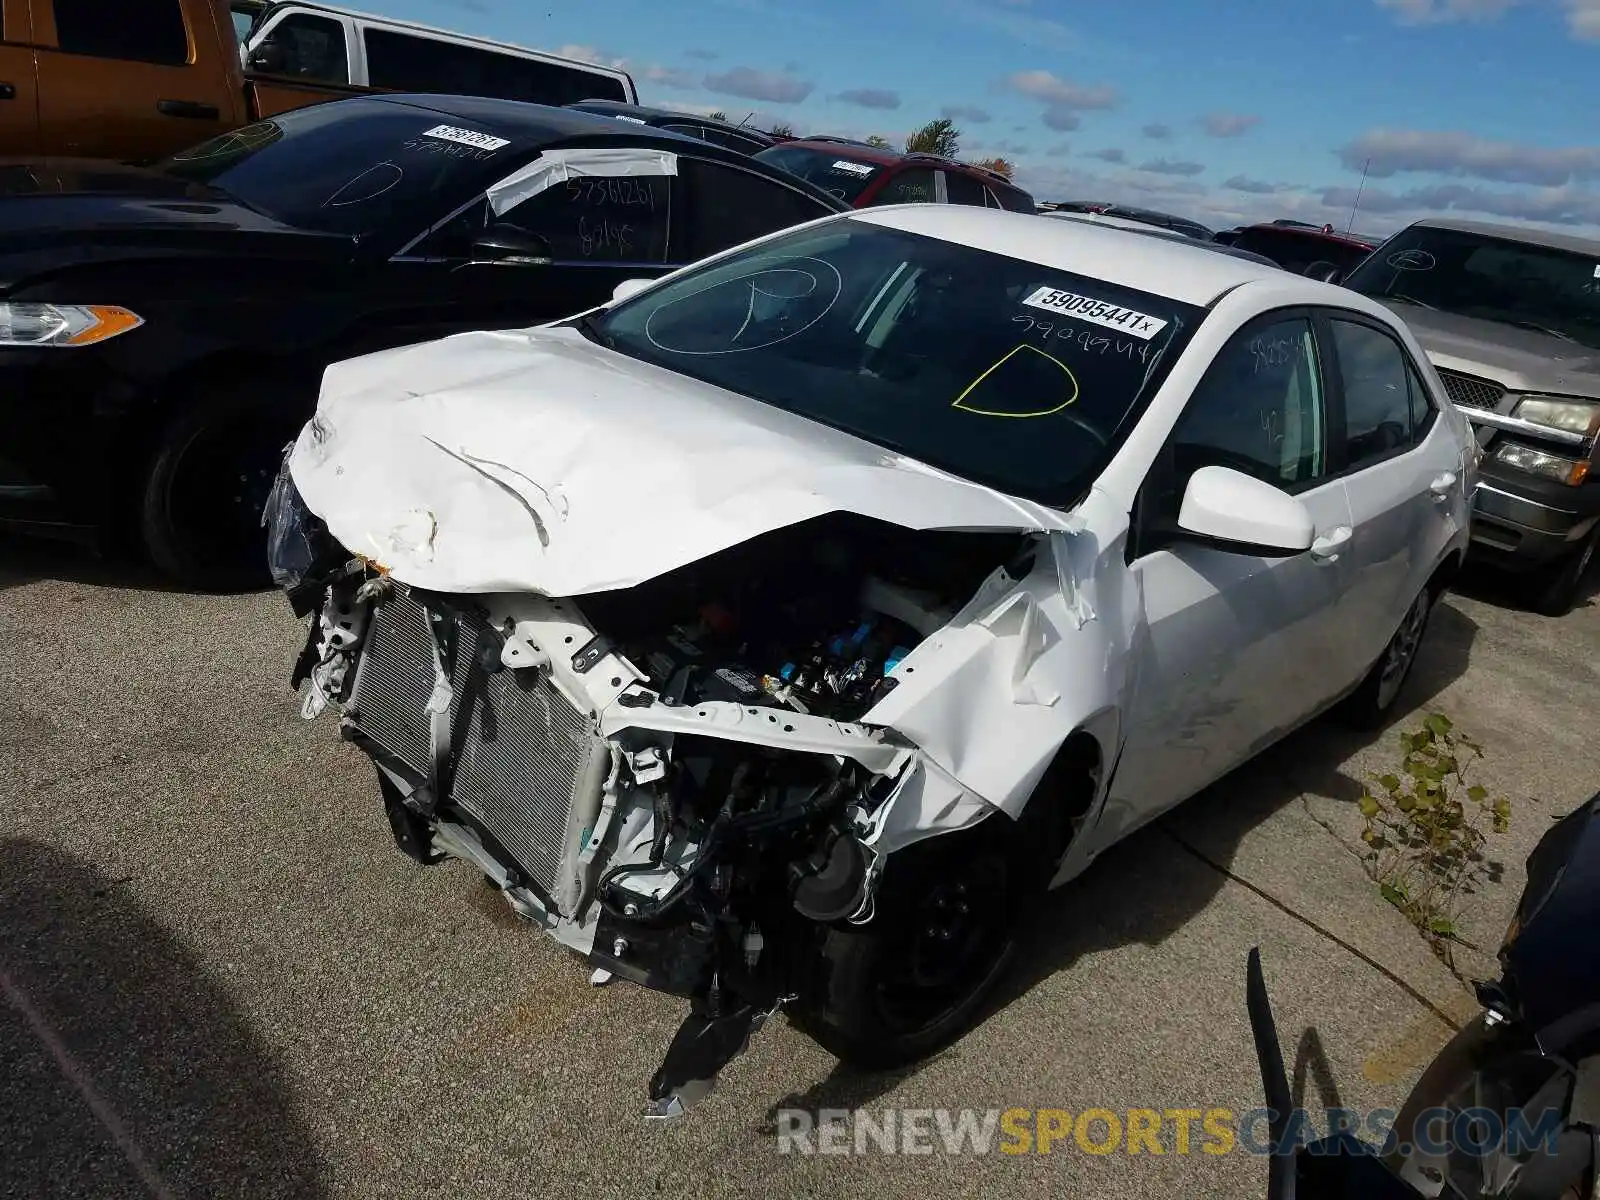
{"type": "Point", "coordinates": [1232, 511]}
{"type": "Point", "coordinates": [629, 287]}
{"type": "Point", "coordinates": [502, 243]}
{"type": "Point", "coordinates": [1326, 271]}
{"type": "Point", "coordinates": [267, 56]}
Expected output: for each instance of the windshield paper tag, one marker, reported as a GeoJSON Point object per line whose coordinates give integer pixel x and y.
{"type": "Point", "coordinates": [1096, 312]}
{"type": "Point", "coordinates": [466, 137]}
{"type": "Point", "coordinates": [854, 168]}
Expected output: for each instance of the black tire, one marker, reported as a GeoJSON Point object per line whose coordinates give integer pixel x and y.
{"type": "Point", "coordinates": [1500, 1068]}
{"type": "Point", "coordinates": [207, 483]}
{"type": "Point", "coordinates": [1375, 697]}
{"type": "Point", "coordinates": [915, 976]}
{"type": "Point", "coordinates": [1559, 584]}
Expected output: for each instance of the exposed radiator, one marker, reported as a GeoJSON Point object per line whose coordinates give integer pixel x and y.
{"type": "Point", "coordinates": [526, 758]}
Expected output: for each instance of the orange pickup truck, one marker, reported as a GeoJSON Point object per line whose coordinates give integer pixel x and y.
{"type": "Point", "coordinates": [139, 79]}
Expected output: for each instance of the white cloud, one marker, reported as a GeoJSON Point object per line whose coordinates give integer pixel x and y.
{"type": "Point", "coordinates": [1438, 12]}
{"type": "Point", "coordinates": [775, 87]}
{"type": "Point", "coordinates": [966, 112]}
{"type": "Point", "coordinates": [1395, 151]}
{"type": "Point", "coordinates": [870, 97]}
{"type": "Point", "coordinates": [1058, 92]}
{"type": "Point", "coordinates": [1227, 124]}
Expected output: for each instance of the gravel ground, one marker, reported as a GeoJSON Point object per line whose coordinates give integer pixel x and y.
{"type": "Point", "coordinates": [218, 977]}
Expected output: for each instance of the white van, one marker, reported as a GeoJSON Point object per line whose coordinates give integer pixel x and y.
{"type": "Point", "coordinates": [321, 44]}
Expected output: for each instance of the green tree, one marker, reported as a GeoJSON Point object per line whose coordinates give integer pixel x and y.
{"type": "Point", "coordinates": [881, 142]}
{"type": "Point", "coordinates": [936, 137]}
{"type": "Point", "coordinates": [719, 115]}
{"type": "Point", "coordinates": [782, 130]}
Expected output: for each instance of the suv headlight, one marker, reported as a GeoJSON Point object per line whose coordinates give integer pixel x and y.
{"type": "Point", "coordinates": [1554, 412]}
{"type": "Point", "coordinates": [1538, 462]}
{"type": "Point", "coordinates": [34, 323]}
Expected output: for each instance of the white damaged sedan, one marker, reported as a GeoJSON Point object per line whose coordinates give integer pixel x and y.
{"type": "Point", "coordinates": [770, 634]}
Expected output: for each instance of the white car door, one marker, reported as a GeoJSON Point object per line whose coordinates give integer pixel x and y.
{"type": "Point", "coordinates": [1234, 649]}
{"type": "Point", "coordinates": [1402, 469]}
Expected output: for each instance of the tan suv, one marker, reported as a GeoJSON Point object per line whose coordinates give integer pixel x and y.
{"type": "Point", "coordinates": [1511, 318]}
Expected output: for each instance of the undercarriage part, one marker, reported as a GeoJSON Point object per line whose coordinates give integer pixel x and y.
{"type": "Point", "coordinates": [707, 1041]}
{"type": "Point", "coordinates": [412, 831]}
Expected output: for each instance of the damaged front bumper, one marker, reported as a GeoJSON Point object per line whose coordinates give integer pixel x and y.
{"type": "Point", "coordinates": [696, 849]}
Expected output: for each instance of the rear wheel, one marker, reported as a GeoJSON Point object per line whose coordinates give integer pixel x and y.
{"type": "Point", "coordinates": [207, 484]}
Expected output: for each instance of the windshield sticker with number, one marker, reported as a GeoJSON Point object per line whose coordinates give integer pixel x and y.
{"type": "Point", "coordinates": [466, 137]}
{"type": "Point", "coordinates": [854, 168]}
{"type": "Point", "coordinates": [1096, 312]}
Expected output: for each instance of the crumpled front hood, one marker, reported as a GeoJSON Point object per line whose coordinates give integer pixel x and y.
{"type": "Point", "coordinates": [535, 460]}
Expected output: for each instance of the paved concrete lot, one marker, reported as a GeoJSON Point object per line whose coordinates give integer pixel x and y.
{"type": "Point", "coordinates": [218, 978]}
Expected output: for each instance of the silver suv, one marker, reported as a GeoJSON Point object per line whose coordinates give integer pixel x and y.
{"type": "Point", "coordinates": [1511, 319]}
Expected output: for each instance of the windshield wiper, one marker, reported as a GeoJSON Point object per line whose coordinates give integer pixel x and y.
{"type": "Point", "coordinates": [589, 325]}
{"type": "Point", "coordinates": [1404, 299]}
{"type": "Point", "coordinates": [1537, 328]}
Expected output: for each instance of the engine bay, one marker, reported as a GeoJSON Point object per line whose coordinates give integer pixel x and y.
{"type": "Point", "coordinates": [811, 618]}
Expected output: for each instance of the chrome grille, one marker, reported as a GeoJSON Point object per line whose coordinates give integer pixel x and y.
{"type": "Point", "coordinates": [1471, 392]}
{"type": "Point", "coordinates": [525, 756]}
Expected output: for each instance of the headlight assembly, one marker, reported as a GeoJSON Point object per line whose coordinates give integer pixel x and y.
{"type": "Point", "coordinates": [1556, 412]}
{"type": "Point", "coordinates": [35, 323]}
{"type": "Point", "coordinates": [1538, 462]}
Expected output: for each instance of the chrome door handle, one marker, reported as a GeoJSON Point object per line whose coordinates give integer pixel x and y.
{"type": "Point", "coordinates": [1442, 485]}
{"type": "Point", "coordinates": [1327, 547]}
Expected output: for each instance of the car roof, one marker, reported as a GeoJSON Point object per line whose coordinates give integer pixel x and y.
{"type": "Point", "coordinates": [646, 112]}
{"type": "Point", "coordinates": [1549, 239]}
{"type": "Point", "coordinates": [1314, 231]}
{"type": "Point", "coordinates": [1187, 271]}
{"type": "Point", "coordinates": [1143, 229]}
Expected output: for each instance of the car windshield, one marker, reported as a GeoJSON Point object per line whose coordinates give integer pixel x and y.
{"type": "Point", "coordinates": [357, 167]}
{"type": "Point", "coordinates": [1016, 375]}
{"type": "Point", "coordinates": [838, 174]}
{"type": "Point", "coordinates": [1493, 279]}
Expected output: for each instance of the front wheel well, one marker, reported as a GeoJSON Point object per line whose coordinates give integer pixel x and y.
{"type": "Point", "coordinates": [141, 431]}
{"type": "Point", "coordinates": [1445, 574]}
{"type": "Point", "coordinates": [1063, 800]}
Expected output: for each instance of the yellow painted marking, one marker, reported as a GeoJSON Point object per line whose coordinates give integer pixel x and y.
{"type": "Point", "coordinates": [1072, 379]}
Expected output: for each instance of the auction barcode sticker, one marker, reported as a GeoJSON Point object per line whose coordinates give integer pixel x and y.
{"type": "Point", "coordinates": [1096, 312]}
{"type": "Point", "coordinates": [854, 168]}
{"type": "Point", "coordinates": [466, 137]}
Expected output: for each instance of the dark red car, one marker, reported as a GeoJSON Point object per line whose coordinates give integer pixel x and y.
{"type": "Point", "coordinates": [863, 175]}
{"type": "Point", "coordinates": [1296, 247]}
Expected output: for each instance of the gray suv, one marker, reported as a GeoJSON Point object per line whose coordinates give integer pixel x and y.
{"type": "Point", "coordinates": [1511, 319]}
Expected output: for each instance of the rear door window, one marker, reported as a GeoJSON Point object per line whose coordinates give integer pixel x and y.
{"type": "Point", "coordinates": [915, 186]}
{"type": "Point", "coordinates": [961, 188]}
{"type": "Point", "coordinates": [723, 206]}
{"type": "Point", "coordinates": [599, 221]}
{"type": "Point", "coordinates": [406, 62]}
{"type": "Point", "coordinates": [134, 30]}
{"type": "Point", "coordinates": [1378, 412]}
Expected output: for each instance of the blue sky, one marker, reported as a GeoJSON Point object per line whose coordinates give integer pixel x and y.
{"type": "Point", "coordinates": [1227, 110]}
